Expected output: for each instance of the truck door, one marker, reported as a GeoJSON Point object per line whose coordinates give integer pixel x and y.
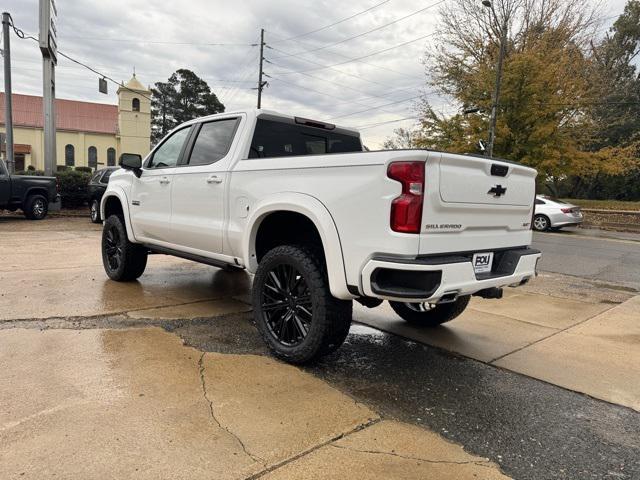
{"type": "Point", "coordinates": [151, 193]}
{"type": "Point", "coordinates": [199, 190]}
{"type": "Point", "coordinates": [5, 185]}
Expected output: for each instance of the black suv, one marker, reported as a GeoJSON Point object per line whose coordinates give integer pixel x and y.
{"type": "Point", "coordinates": [33, 194]}
{"type": "Point", "coordinates": [97, 186]}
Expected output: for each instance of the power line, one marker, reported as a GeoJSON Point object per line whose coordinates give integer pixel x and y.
{"type": "Point", "coordinates": [322, 66]}
{"type": "Point", "coordinates": [371, 125]}
{"type": "Point", "coordinates": [322, 93]}
{"type": "Point", "coordinates": [342, 71]}
{"type": "Point", "coordinates": [369, 31]}
{"type": "Point", "coordinates": [334, 24]}
{"type": "Point", "coordinates": [376, 108]}
{"type": "Point", "coordinates": [107, 77]}
{"type": "Point", "coordinates": [363, 56]}
{"type": "Point", "coordinates": [341, 85]}
{"type": "Point", "coordinates": [162, 42]}
{"type": "Point", "coordinates": [22, 35]}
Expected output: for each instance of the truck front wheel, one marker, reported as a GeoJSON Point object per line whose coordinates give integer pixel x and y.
{"type": "Point", "coordinates": [36, 207]}
{"type": "Point", "coordinates": [429, 315]}
{"type": "Point", "coordinates": [123, 261]}
{"type": "Point", "coordinates": [293, 307]}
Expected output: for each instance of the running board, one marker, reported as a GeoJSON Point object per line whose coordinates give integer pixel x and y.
{"type": "Point", "coordinates": [193, 257]}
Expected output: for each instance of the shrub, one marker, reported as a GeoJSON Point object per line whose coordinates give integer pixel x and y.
{"type": "Point", "coordinates": [84, 169]}
{"type": "Point", "coordinates": [31, 168]}
{"type": "Point", "coordinates": [31, 171]}
{"type": "Point", "coordinates": [72, 186]}
{"type": "Point", "coordinates": [62, 168]}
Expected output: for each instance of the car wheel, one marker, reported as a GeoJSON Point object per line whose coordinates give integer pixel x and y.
{"type": "Point", "coordinates": [541, 223]}
{"type": "Point", "coordinates": [430, 315]}
{"type": "Point", "coordinates": [123, 261]}
{"type": "Point", "coordinates": [293, 307]}
{"type": "Point", "coordinates": [95, 211]}
{"type": "Point", "coordinates": [36, 207]}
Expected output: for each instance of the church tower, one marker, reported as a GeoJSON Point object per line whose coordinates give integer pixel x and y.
{"type": "Point", "coordinates": [134, 118]}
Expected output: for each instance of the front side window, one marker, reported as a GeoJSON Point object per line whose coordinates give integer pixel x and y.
{"type": "Point", "coordinates": [213, 142]}
{"type": "Point", "coordinates": [96, 176]}
{"type": "Point", "coordinates": [93, 157]}
{"type": "Point", "coordinates": [69, 155]}
{"type": "Point", "coordinates": [279, 139]}
{"type": "Point", "coordinates": [169, 151]}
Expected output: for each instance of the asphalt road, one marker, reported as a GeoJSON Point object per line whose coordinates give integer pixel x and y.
{"type": "Point", "coordinates": [611, 259]}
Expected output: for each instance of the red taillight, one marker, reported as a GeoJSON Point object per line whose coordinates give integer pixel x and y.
{"type": "Point", "coordinates": [406, 210]}
{"type": "Point", "coordinates": [566, 210]}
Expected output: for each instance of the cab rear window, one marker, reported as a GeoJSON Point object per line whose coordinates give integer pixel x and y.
{"type": "Point", "coordinates": [278, 139]}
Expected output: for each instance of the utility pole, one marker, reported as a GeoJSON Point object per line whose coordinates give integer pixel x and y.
{"type": "Point", "coordinates": [261, 82]}
{"type": "Point", "coordinates": [496, 91]}
{"type": "Point", "coordinates": [48, 47]}
{"type": "Point", "coordinates": [8, 112]}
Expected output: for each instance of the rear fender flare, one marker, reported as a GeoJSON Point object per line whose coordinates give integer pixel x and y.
{"type": "Point", "coordinates": [313, 209]}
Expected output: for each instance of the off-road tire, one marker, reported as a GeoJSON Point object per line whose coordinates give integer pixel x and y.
{"type": "Point", "coordinates": [94, 207]}
{"type": "Point", "coordinates": [330, 317]}
{"type": "Point", "coordinates": [132, 257]}
{"type": "Point", "coordinates": [36, 207]}
{"type": "Point", "coordinates": [437, 315]}
{"type": "Point", "coordinates": [541, 223]}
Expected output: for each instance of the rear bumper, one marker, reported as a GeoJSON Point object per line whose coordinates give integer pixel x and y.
{"type": "Point", "coordinates": [431, 278]}
{"type": "Point", "coordinates": [565, 219]}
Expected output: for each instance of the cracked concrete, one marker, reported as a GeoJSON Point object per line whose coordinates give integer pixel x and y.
{"type": "Point", "coordinates": [213, 415]}
{"type": "Point", "coordinates": [93, 404]}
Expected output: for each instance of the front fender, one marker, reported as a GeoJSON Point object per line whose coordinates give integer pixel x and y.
{"type": "Point", "coordinates": [313, 209]}
{"type": "Point", "coordinates": [119, 193]}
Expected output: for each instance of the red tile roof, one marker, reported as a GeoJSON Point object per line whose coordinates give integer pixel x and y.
{"type": "Point", "coordinates": [70, 114]}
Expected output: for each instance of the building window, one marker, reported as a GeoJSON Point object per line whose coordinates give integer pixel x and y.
{"type": "Point", "coordinates": [111, 157]}
{"type": "Point", "coordinates": [93, 157]}
{"type": "Point", "coordinates": [69, 155]}
{"type": "Point", "coordinates": [135, 105]}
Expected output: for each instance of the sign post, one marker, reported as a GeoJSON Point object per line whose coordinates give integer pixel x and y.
{"type": "Point", "coordinates": [8, 111]}
{"type": "Point", "coordinates": [49, 49]}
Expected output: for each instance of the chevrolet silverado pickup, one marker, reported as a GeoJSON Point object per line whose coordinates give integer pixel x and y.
{"type": "Point", "coordinates": [320, 223]}
{"type": "Point", "coordinates": [33, 194]}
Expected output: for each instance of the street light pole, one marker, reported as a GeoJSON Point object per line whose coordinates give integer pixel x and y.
{"type": "Point", "coordinates": [496, 90]}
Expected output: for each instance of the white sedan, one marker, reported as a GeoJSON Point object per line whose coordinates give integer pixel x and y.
{"type": "Point", "coordinates": [551, 213]}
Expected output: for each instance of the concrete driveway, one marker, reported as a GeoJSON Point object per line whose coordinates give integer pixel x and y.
{"type": "Point", "coordinates": [165, 377]}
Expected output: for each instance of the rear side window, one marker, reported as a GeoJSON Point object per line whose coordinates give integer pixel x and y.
{"type": "Point", "coordinates": [277, 139]}
{"type": "Point", "coordinates": [540, 202]}
{"type": "Point", "coordinates": [213, 142]}
{"type": "Point", "coordinates": [96, 176]}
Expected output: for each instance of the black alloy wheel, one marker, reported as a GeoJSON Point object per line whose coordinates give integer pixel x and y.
{"type": "Point", "coordinates": [95, 211]}
{"type": "Point", "coordinates": [293, 308]}
{"type": "Point", "coordinates": [123, 261]}
{"type": "Point", "coordinates": [113, 247]}
{"type": "Point", "coordinates": [287, 306]}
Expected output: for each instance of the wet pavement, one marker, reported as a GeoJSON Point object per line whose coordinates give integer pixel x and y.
{"type": "Point", "coordinates": [167, 377]}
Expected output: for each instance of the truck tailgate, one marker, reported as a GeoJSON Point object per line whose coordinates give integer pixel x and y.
{"type": "Point", "coordinates": [475, 204]}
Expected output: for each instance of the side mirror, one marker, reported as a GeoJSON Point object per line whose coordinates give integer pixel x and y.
{"type": "Point", "coordinates": [133, 162]}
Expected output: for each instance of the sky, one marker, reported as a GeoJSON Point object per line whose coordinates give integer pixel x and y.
{"type": "Point", "coordinates": [218, 41]}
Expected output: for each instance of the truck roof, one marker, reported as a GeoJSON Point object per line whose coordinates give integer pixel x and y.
{"type": "Point", "coordinates": [282, 117]}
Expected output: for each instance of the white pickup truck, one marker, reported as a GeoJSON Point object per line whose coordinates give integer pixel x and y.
{"type": "Point", "coordinates": [321, 222]}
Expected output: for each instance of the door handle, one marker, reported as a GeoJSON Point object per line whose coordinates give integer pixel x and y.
{"type": "Point", "coordinates": [214, 179]}
{"type": "Point", "coordinates": [164, 180]}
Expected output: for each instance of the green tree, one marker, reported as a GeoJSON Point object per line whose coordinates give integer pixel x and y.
{"type": "Point", "coordinates": [184, 96]}
{"type": "Point", "coordinates": [543, 112]}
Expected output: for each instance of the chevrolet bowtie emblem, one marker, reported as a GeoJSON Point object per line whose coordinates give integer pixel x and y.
{"type": "Point", "coordinates": [498, 191]}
